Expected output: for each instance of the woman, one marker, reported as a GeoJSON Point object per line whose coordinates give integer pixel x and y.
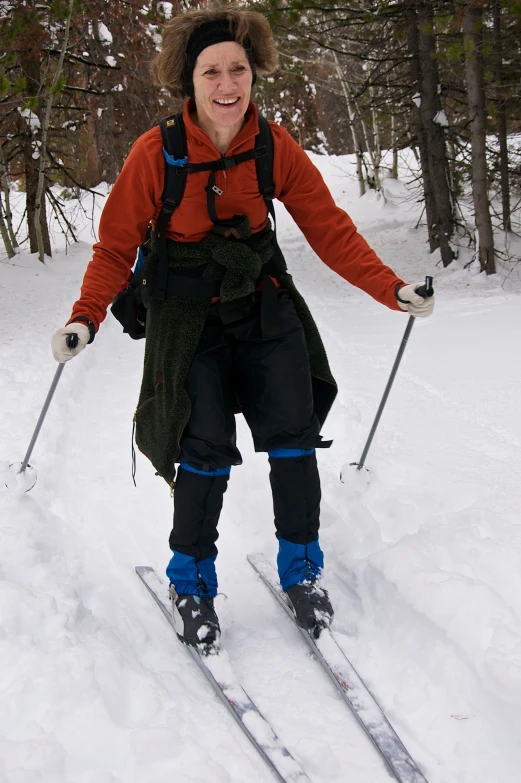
{"type": "Point", "coordinates": [208, 358]}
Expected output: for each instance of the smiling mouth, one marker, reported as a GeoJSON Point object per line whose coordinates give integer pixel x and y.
{"type": "Point", "coordinates": [227, 102]}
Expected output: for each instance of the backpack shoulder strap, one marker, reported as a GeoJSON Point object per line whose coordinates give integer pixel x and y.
{"type": "Point", "coordinates": [264, 166]}
{"type": "Point", "coordinates": [176, 169]}
{"type": "Point", "coordinates": [176, 158]}
{"type": "Point", "coordinates": [264, 161]}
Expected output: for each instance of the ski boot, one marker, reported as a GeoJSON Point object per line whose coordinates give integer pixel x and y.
{"type": "Point", "coordinates": [196, 622]}
{"type": "Point", "coordinates": [311, 606]}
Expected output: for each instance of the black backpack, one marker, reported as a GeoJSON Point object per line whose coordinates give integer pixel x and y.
{"type": "Point", "coordinates": [129, 306]}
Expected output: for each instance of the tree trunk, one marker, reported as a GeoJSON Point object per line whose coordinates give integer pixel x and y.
{"type": "Point", "coordinates": [5, 233]}
{"type": "Point", "coordinates": [374, 155]}
{"type": "Point", "coordinates": [352, 125]}
{"type": "Point", "coordinates": [29, 42]}
{"type": "Point", "coordinates": [472, 36]}
{"type": "Point", "coordinates": [394, 168]}
{"type": "Point", "coordinates": [355, 113]}
{"type": "Point", "coordinates": [376, 147]}
{"type": "Point", "coordinates": [413, 45]}
{"type": "Point", "coordinates": [8, 214]}
{"type": "Point", "coordinates": [453, 171]}
{"type": "Point", "coordinates": [501, 119]}
{"type": "Point", "coordinates": [40, 193]}
{"type": "Point", "coordinates": [430, 110]}
{"type": "Point", "coordinates": [90, 151]}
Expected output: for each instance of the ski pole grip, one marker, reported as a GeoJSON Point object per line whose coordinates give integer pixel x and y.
{"type": "Point", "coordinates": [426, 291]}
{"type": "Point", "coordinates": [72, 340]}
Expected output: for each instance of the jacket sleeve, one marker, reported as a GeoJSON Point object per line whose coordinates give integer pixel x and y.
{"type": "Point", "coordinates": [328, 229]}
{"type": "Point", "coordinates": [123, 224]}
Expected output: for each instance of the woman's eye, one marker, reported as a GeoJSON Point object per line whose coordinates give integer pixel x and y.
{"type": "Point", "coordinates": [210, 72]}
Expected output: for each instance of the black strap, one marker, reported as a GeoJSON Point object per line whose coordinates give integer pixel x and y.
{"type": "Point", "coordinates": [262, 153]}
{"type": "Point", "coordinates": [221, 164]}
{"type": "Point", "coordinates": [176, 170]}
{"type": "Point", "coordinates": [179, 285]}
{"type": "Point", "coordinates": [211, 192]}
{"type": "Point", "coordinates": [89, 324]}
{"type": "Point", "coordinates": [264, 160]}
{"type": "Point", "coordinates": [264, 156]}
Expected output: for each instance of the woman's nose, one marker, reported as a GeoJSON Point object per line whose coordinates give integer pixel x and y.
{"type": "Point", "coordinates": [227, 80]}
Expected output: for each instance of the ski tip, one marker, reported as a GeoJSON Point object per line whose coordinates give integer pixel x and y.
{"type": "Point", "coordinates": [143, 570]}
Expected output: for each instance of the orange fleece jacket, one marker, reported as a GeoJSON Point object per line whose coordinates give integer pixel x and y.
{"type": "Point", "coordinates": [135, 201]}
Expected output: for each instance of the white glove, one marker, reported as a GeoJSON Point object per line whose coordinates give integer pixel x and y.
{"type": "Point", "coordinates": [60, 349]}
{"type": "Point", "coordinates": [413, 303]}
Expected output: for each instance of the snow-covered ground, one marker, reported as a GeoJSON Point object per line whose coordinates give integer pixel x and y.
{"type": "Point", "coordinates": [423, 552]}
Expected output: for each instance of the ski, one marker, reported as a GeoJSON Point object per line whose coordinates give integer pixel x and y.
{"type": "Point", "coordinates": [218, 671]}
{"type": "Point", "coordinates": [350, 684]}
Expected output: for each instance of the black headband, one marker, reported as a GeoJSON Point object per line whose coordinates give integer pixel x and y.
{"type": "Point", "coordinates": [206, 35]}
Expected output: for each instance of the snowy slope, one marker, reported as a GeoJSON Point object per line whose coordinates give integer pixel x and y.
{"type": "Point", "coordinates": [423, 552]}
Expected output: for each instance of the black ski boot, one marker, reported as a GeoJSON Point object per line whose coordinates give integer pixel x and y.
{"type": "Point", "coordinates": [312, 607]}
{"type": "Point", "coordinates": [196, 622]}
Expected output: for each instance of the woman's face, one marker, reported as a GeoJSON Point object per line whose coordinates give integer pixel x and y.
{"type": "Point", "coordinates": [222, 85]}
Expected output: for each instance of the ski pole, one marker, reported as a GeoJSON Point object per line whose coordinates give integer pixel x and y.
{"type": "Point", "coordinates": [72, 342]}
{"type": "Point", "coordinates": [424, 291]}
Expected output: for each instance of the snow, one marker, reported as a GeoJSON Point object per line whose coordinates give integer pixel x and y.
{"type": "Point", "coordinates": [167, 9]}
{"type": "Point", "coordinates": [441, 119]}
{"type": "Point", "coordinates": [31, 119]}
{"type": "Point", "coordinates": [423, 551]}
{"type": "Point", "coordinates": [105, 35]}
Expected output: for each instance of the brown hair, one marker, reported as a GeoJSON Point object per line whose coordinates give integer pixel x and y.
{"type": "Point", "coordinates": [169, 65]}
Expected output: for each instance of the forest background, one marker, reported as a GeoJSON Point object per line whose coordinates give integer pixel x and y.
{"type": "Point", "coordinates": [442, 78]}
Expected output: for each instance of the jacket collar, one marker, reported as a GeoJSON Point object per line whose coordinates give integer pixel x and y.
{"type": "Point", "coordinates": [248, 131]}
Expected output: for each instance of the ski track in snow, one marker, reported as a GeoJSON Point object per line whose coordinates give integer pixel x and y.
{"type": "Point", "coordinates": [423, 552]}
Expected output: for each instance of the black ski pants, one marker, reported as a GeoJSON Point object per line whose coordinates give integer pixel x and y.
{"type": "Point", "coordinates": [270, 379]}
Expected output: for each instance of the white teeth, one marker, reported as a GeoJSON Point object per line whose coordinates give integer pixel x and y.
{"type": "Point", "coordinates": [224, 102]}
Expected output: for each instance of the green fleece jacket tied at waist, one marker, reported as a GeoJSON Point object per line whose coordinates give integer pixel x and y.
{"type": "Point", "coordinates": [235, 258]}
